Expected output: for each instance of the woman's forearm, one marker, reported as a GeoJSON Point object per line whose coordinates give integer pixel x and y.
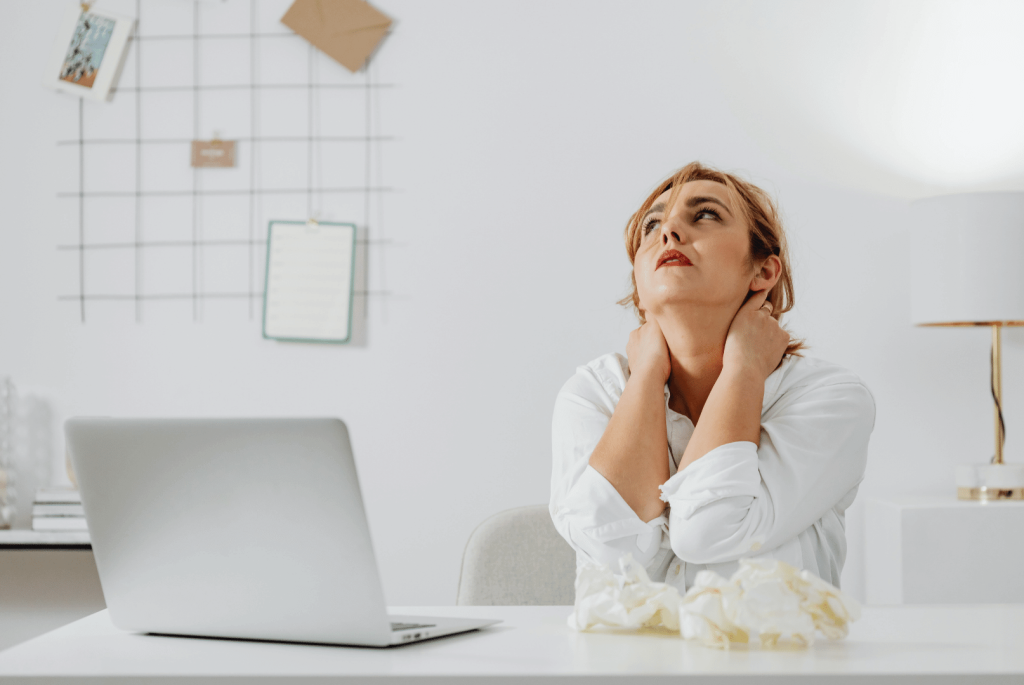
{"type": "Point", "coordinates": [633, 451]}
{"type": "Point", "coordinates": [731, 414]}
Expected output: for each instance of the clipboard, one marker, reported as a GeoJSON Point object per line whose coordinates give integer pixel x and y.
{"type": "Point", "coordinates": [307, 296]}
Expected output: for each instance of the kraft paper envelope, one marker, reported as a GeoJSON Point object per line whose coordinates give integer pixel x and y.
{"type": "Point", "coordinates": [346, 30]}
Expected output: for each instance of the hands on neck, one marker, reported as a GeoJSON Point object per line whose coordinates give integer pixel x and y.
{"type": "Point", "coordinates": [696, 342]}
{"type": "Point", "coordinates": [715, 375]}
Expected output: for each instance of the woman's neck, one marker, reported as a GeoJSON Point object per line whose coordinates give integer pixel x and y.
{"type": "Point", "coordinates": [696, 344]}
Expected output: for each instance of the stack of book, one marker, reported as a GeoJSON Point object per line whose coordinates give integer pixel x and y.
{"type": "Point", "coordinates": [58, 509]}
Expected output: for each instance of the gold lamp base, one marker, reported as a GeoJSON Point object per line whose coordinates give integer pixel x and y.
{"type": "Point", "coordinates": [989, 494]}
{"type": "Point", "coordinates": [990, 482]}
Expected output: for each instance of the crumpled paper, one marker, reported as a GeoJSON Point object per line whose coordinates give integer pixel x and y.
{"type": "Point", "coordinates": [768, 599]}
{"type": "Point", "coordinates": [627, 600]}
{"type": "Point", "coordinates": [765, 599]}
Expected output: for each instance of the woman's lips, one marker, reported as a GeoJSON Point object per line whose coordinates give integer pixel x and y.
{"type": "Point", "coordinates": [673, 258]}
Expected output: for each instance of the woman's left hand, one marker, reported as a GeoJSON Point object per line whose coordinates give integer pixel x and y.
{"type": "Point", "coordinates": [756, 341]}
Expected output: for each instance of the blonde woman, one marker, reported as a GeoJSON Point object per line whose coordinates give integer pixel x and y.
{"type": "Point", "coordinates": [713, 439]}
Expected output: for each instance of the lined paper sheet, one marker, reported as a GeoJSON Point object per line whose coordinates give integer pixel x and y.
{"type": "Point", "coordinates": [308, 294]}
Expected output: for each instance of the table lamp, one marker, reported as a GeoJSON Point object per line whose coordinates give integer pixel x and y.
{"type": "Point", "coordinates": [967, 269]}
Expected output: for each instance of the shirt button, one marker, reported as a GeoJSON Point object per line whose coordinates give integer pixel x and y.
{"type": "Point", "coordinates": [756, 546]}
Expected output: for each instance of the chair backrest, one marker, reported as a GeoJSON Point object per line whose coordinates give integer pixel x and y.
{"type": "Point", "coordinates": [517, 557]}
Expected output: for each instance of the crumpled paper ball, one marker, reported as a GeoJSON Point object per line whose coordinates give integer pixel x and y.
{"type": "Point", "coordinates": [627, 600]}
{"type": "Point", "coordinates": [766, 598]}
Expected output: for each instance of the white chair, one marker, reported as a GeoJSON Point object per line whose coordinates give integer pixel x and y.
{"type": "Point", "coordinates": [516, 557]}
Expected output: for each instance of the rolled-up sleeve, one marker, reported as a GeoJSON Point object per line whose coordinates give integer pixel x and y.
{"type": "Point", "coordinates": [586, 509]}
{"type": "Point", "coordinates": [741, 499]}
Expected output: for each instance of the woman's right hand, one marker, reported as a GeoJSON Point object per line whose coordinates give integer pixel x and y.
{"type": "Point", "coordinates": [648, 352]}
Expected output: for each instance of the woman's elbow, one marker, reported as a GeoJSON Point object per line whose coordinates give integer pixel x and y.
{"type": "Point", "coordinates": [701, 547]}
{"type": "Point", "coordinates": [714, 534]}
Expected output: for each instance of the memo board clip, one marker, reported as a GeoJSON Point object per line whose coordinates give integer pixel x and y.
{"type": "Point", "coordinates": [312, 224]}
{"type": "Point", "coordinates": [86, 6]}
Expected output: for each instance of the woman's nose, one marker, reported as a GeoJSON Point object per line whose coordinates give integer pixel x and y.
{"type": "Point", "coordinates": [667, 231]}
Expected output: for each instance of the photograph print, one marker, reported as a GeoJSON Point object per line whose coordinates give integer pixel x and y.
{"type": "Point", "coordinates": [89, 52]}
{"type": "Point", "coordinates": [85, 54]}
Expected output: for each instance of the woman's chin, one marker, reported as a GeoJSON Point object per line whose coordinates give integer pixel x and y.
{"type": "Point", "coordinates": [681, 302]}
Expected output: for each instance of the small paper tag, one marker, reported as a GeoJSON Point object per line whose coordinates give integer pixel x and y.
{"type": "Point", "coordinates": [215, 153]}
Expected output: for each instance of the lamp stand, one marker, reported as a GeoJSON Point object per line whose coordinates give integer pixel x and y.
{"type": "Point", "coordinates": [996, 480]}
{"type": "Point", "coordinates": [997, 390]}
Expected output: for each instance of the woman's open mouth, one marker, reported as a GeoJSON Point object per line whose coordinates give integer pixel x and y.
{"type": "Point", "coordinates": [673, 258]}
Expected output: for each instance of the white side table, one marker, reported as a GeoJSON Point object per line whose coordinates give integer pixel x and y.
{"type": "Point", "coordinates": [938, 550]}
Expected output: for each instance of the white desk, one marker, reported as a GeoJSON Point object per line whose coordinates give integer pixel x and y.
{"type": "Point", "coordinates": [981, 643]}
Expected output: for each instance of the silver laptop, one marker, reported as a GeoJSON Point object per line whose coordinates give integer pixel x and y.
{"type": "Point", "coordinates": [236, 528]}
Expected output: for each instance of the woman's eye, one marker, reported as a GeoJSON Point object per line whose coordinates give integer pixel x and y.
{"type": "Point", "coordinates": [651, 225]}
{"type": "Point", "coordinates": [706, 214]}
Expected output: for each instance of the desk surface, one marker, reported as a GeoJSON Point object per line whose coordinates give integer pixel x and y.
{"type": "Point", "coordinates": [938, 642]}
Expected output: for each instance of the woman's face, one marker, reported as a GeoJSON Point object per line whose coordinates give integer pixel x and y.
{"type": "Point", "coordinates": [694, 253]}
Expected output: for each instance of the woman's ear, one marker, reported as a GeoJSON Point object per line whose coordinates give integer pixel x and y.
{"type": "Point", "coordinates": [768, 275]}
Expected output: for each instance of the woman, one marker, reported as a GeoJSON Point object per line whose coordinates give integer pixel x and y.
{"type": "Point", "coordinates": [713, 440]}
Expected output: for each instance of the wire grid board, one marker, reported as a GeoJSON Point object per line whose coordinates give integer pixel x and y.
{"type": "Point", "coordinates": [145, 230]}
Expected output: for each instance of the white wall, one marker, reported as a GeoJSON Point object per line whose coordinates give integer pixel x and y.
{"type": "Point", "coordinates": [528, 132]}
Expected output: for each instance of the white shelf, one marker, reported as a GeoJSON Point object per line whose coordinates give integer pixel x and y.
{"type": "Point", "coordinates": [43, 539]}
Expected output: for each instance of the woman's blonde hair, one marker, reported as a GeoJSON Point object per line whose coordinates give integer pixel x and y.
{"type": "Point", "coordinates": [767, 237]}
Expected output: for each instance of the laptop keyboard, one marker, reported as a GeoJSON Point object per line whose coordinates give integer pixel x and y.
{"type": "Point", "coordinates": [410, 626]}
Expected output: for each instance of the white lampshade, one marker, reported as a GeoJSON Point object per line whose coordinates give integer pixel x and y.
{"type": "Point", "coordinates": [967, 260]}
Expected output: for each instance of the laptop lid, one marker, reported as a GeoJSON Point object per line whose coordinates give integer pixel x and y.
{"type": "Point", "coordinates": [244, 528]}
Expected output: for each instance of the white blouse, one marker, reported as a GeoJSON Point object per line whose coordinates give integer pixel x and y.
{"type": "Point", "coordinates": [785, 499]}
